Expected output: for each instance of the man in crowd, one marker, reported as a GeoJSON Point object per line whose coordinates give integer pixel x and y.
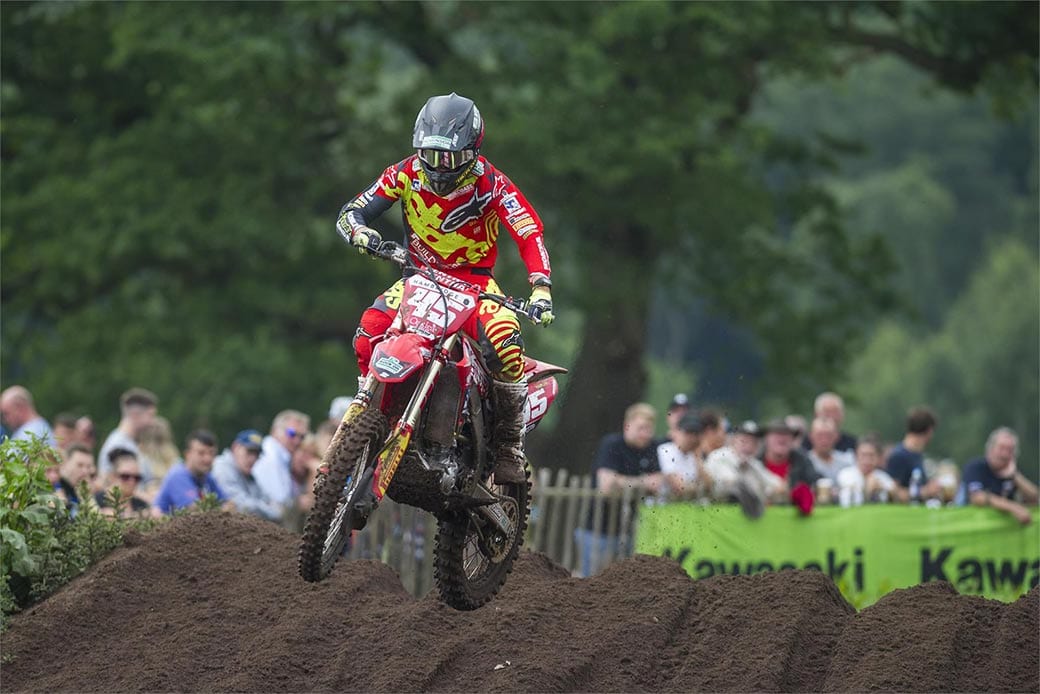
{"type": "Point", "coordinates": [233, 471]}
{"type": "Point", "coordinates": [799, 429]}
{"type": "Point", "coordinates": [825, 457]}
{"type": "Point", "coordinates": [137, 409]}
{"type": "Point", "coordinates": [865, 482]}
{"type": "Point", "coordinates": [906, 461]}
{"type": "Point", "coordinates": [338, 408]}
{"type": "Point", "coordinates": [623, 460]}
{"type": "Point", "coordinates": [683, 470]}
{"type": "Point", "coordinates": [126, 476]}
{"type": "Point", "coordinates": [831, 406]}
{"type": "Point", "coordinates": [189, 481]}
{"type": "Point", "coordinates": [788, 463]}
{"type": "Point", "coordinates": [76, 468]}
{"type": "Point", "coordinates": [273, 471]}
{"type": "Point", "coordinates": [678, 408]}
{"type": "Point", "coordinates": [64, 430]}
{"type": "Point", "coordinates": [21, 418]}
{"type": "Point", "coordinates": [995, 480]}
{"type": "Point", "coordinates": [86, 433]}
{"type": "Point", "coordinates": [734, 477]}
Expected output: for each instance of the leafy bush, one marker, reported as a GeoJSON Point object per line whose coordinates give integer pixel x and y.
{"type": "Point", "coordinates": [42, 547]}
{"type": "Point", "coordinates": [26, 513]}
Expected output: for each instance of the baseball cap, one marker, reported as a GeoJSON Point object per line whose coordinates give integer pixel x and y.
{"type": "Point", "coordinates": [777, 426]}
{"type": "Point", "coordinates": [691, 423]}
{"type": "Point", "coordinates": [250, 438]}
{"type": "Point", "coordinates": [748, 426]}
{"type": "Point", "coordinates": [338, 406]}
{"type": "Point", "coordinates": [678, 400]}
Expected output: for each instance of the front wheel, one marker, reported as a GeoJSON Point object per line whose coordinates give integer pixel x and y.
{"type": "Point", "coordinates": [340, 498]}
{"type": "Point", "coordinates": [473, 557]}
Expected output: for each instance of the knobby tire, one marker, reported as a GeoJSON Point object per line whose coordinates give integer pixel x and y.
{"type": "Point", "coordinates": [363, 437]}
{"type": "Point", "coordinates": [453, 534]}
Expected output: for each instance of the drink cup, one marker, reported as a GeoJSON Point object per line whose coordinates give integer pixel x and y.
{"type": "Point", "coordinates": [825, 491]}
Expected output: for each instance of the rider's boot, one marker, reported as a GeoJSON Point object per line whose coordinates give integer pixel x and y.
{"type": "Point", "coordinates": [507, 441]}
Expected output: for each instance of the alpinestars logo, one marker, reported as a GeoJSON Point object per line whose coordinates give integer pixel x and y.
{"type": "Point", "coordinates": [473, 209]}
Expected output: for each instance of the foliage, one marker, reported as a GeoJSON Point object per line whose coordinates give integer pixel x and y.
{"type": "Point", "coordinates": [171, 173]}
{"type": "Point", "coordinates": [934, 173]}
{"type": "Point", "coordinates": [79, 542]}
{"type": "Point", "coordinates": [978, 371]}
{"type": "Point", "coordinates": [43, 546]}
{"type": "Point", "coordinates": [191, 250]}
{"type": "Point", "coordinates": [27, 510]}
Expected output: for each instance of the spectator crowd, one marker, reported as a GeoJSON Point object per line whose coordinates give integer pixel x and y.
{"type": "Point", "coordinates": [704, 458]}
{"type": "Point", "coordinates": [790, 460]}
{"type": "Point", "coordinates": [138, 470]}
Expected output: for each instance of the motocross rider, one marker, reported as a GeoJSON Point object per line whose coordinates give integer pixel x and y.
{"type": "Point", "coordinates": [454, 204]}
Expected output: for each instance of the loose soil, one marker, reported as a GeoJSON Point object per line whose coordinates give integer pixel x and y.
{"type": "Point", "coordinates": [212, 602]}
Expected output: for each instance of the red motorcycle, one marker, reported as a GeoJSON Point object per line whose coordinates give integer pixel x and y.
{"type": "Point", "coordinates": [419, 432]}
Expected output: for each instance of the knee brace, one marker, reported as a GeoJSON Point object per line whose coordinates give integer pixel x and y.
{"type": "Point", "coordinates": [371, 328]}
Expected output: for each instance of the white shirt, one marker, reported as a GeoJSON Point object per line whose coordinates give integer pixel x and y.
{"type": "Point", "coordinates": [675, 462]}
{"type": "Point", "coordinates": [117, 439]}
{"type": "Point", "coordinates": [39, 427]}
{"type": "Point", "coordinates": [272, 472]}
{"type": "Point", "coordinates": [852, 485]}
{"type": "Point", "coordinates": [840, 460]}
{"type": "Point", "coordinates": [723, 467]}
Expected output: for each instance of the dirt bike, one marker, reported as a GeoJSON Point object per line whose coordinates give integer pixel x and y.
{"type": "Point", "coordinates": [419, 432]}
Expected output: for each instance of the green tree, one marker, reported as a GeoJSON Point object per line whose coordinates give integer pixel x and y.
{"type": "Point", "coordinates": [978, 372]}
{"type": "Point", "coordinates": [170, 176]}
{"type": "Point", "coordinates": [171, 173]}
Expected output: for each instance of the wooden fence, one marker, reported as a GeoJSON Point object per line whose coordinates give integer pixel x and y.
{"type": "Point", "coordinates": [403, 537]}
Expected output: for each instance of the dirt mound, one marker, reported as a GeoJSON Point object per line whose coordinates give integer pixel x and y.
{"type": "Point", "coordinates": [213, 603]}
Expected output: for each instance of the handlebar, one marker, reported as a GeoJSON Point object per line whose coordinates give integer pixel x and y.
{"type": "Point", "coordinates": [398, 254]}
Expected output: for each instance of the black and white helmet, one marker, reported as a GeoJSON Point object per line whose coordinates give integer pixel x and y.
{"type": "Point", "coordinates": [447, 137]}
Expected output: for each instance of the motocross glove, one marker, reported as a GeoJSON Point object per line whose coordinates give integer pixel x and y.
{"type": "Point", "coordinates": [366, 238]}
{"type": "Point", "coordinates": [541, 308]}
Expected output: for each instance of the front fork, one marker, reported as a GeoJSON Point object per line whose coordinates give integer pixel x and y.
{"type": "Point", "coordinates": [397, 443]}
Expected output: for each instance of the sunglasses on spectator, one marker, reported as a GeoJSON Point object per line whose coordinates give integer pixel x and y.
{"type": "Point", "coordinates": [126, 477]}
{"type": "Point", "coordinates": [292, 433]}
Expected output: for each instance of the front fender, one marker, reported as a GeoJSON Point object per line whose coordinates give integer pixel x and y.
{"type": "Point", "coordinates": [398, 356]}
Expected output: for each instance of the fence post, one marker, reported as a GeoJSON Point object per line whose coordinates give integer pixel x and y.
{"type": "Point", "coordinates": [543, 493]}
{"type": "Point", "coordinates": [588, 499]}
{"type": "Point", "coordinates": [555, 521]}
{"type": "Point", "coordinates": [573, 502]}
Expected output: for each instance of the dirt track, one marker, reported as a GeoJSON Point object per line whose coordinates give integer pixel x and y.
{"type": "Point", "coordinates": [212, 603]}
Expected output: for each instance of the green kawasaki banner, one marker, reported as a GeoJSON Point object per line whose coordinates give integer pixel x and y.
{"type": "Point", "coordinates": [867, 551]}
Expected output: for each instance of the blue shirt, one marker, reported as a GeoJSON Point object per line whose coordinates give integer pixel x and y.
{"type": "Point", "coordinates": [181, 489]}
{"type": "Point", "coordinates": [273, 474]}
{"type": "Point", "coordinates": [901, 464]}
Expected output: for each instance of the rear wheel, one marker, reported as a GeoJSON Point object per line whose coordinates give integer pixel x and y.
{"type": "Point", "coordinates": [473, 556]}
{"type": "Point", "coordinates": [342, 499]}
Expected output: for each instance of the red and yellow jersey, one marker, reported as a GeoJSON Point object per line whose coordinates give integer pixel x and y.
{"type": "Point", "coordinates": [459, 232]}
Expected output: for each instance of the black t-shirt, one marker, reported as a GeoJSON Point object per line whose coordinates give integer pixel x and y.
{"type": "Point", "coordinates": [901, 465]}
{"type": "Point", "coordinates": [614, 454]}
{"type": "Point", "coordinates": [978, 477]}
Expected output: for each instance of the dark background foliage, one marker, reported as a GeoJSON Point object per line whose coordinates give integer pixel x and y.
{"type": "Point", "coordinates": [750, 201]}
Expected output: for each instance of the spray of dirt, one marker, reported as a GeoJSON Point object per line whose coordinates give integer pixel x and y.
{"type": "Point", "coordinates": [212, 603]}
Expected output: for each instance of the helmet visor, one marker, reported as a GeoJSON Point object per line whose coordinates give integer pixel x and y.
{"type": "Point", "coordinates": [440, 160]}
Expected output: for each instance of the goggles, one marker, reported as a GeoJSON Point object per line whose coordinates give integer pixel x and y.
{"type": "Point", "coordinates": [446, 161]}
